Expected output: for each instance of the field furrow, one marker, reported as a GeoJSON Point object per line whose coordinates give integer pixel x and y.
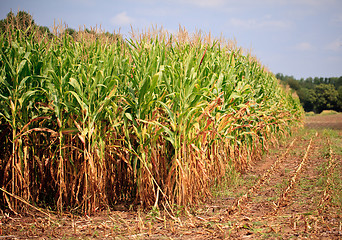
{"type": "Point", "coordinates": [297, 201]}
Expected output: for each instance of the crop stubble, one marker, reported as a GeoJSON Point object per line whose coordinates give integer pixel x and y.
{"type": "Point", "coordinates": [291, 196]}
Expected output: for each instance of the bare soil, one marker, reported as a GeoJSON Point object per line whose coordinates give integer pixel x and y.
{"type": "Point", "coordinates": [293, 192]}
{"type": "Point", "coordinates": [332, 121]}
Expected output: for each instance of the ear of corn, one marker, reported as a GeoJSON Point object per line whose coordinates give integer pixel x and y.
{"type": "Point", "coordinates": [157, 120]}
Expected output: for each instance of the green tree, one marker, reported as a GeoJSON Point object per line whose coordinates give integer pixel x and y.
{"type": "Point", "coordinates": [339, 99]}
{"type": "Point", "coordinates": [45, 30]}
{"type": "Point", "coordinates": [21, 21]}
{"type": "Point", "coordinates": [326, 97]}
{"type": "Point", "coordinates": [307, 98]}
{"type": "Point", "coordinates": [24, 22]}
{"type": "Point", "coordinates": [72, 32]}
{"type": "Point", "coordinates": [294, 84]}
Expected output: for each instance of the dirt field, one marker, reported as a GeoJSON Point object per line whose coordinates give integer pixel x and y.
{"type": "Point", "coordinates": [332, 121]}
{"type": "Point", "coordinates": [294, 192]}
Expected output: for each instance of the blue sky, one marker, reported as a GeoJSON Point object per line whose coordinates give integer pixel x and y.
{"type": "Point", "coordinates": [302, 38]}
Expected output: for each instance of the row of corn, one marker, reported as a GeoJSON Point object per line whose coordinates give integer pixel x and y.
{"type": "Point", "coordinates": [152, 120]}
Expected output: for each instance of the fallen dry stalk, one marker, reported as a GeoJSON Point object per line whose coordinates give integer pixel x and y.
{"type": "Point", "coordinates": [293, 179]}
{"type": "Point", "coordinates": [23, 201]}
{"type": "Point", "coordinates": [261, 181]}
{"type": "Point", "coordinates": [329, 170]}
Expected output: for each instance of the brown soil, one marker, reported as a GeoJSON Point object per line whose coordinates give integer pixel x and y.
{"type": "Point", "coordinates": [333, 121]}
{"type": "Point", "coordinates": [292, 193]}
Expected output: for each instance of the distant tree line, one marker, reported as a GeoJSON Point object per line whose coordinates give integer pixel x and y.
{"type": "Point", "coordinates": [24, 21]}
{"type": "Point", "coordinates": [316, 94]}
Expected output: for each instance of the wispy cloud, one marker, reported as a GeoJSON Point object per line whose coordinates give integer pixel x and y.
{"type": "Point", "coordinates": [304, 46]}
{"type": "Point", "coordinates": [315, 3]}
{"type": "Point", "coordinates": [264, 23]}
{"type": "Point", "coordinates": [207, 3]}
{"type": "Point", "coordinates": [337, 19]}
{"type": "Point", "coordinates": [335, 45]}
{"type": "Point", "coordinates": [122, 19]}
{"type": "Point", "coordinates": [308, 3]}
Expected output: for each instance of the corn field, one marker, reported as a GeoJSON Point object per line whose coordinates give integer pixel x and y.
{"type": "Point", "coordinates": [156, 120]}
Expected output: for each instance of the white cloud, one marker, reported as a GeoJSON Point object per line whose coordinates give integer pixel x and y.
{"type": "Point", "coordinates": [122, 19]}
{"type": "Point", "coordinates": [265, 22]}
{"type": "Point", "coordinates": [304, 46]}
{"type": "Point", "coordinates": [207, 3]}
{"type": "Point", "coordinates": [335, 45]}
